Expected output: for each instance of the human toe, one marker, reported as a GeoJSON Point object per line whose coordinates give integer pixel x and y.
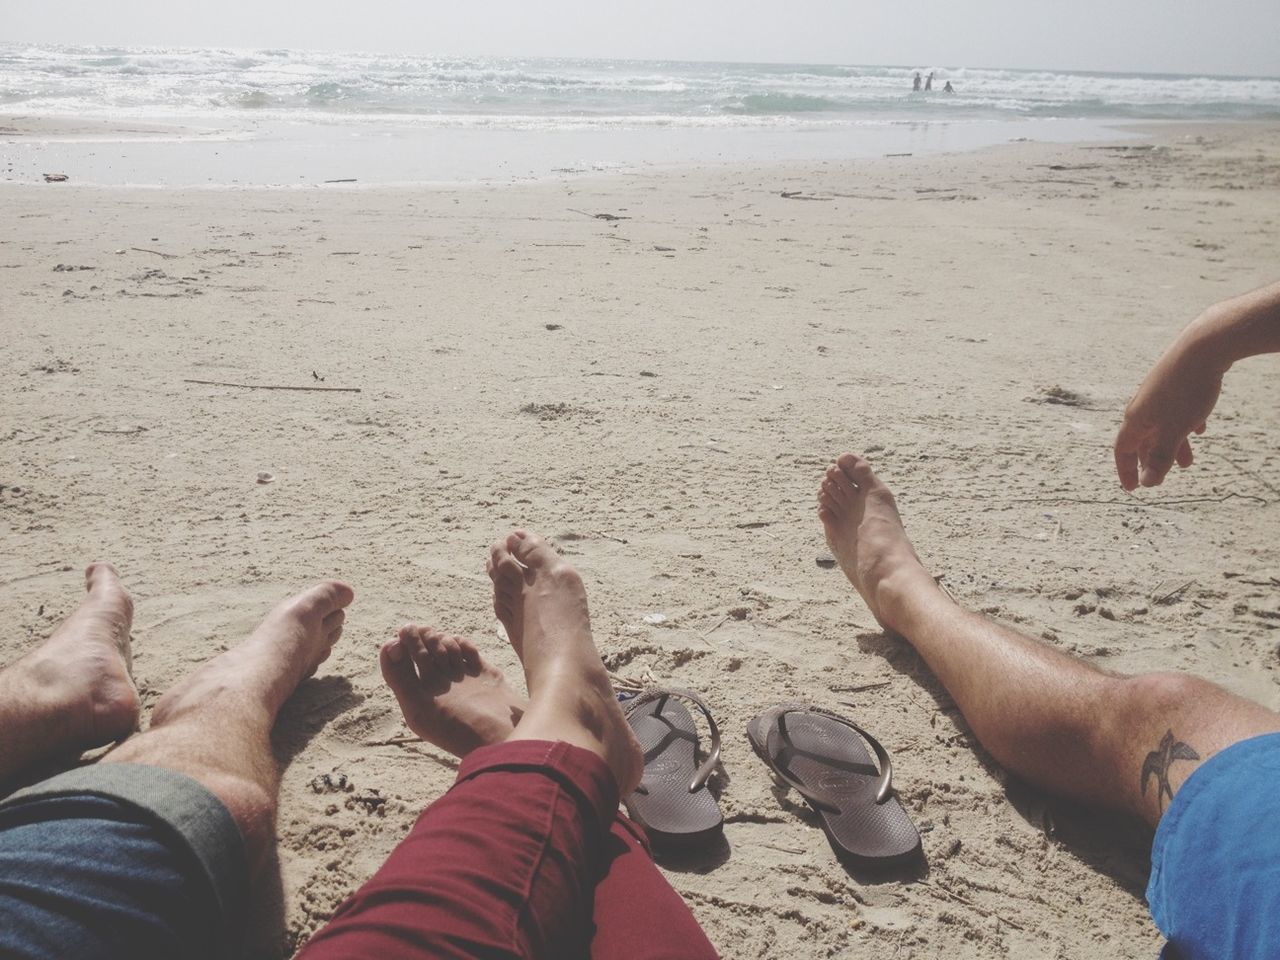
{"type": "Point", "coordinates": [332, 625]}
{"type": "Point", "coordinates": [839, 483]}
{"type": "Point", "coordinates": [504, 570]}
{"type": "Point", "coordinates": [413, 640]}
{"type": "Point", "coordinates": [858, 470]}
{"type": "Point", "coordinates": [540, 558]}
{"type": "Point", "coordinates": [445, 656]}
{"type": "Point", "coordinates": [457, 659]}
{"type": "Point", "coordinates": [470, 655]}
{"type": "Point", "coordinates": [100, 575]}
{"type": "Point", "coordinates": [108, 597]}
{"type": "Point", "coordinates": [323, 599]}
{"type": "Point", "coordinates": [397, 669]}
{"type": "Point", "coordinates": [530, 549]}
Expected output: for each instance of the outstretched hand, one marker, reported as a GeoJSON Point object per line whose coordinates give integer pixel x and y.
{"type": "Point", "coordinates": [1179, 393]}
{"type": "Point", "coordinates": [1173, 402]}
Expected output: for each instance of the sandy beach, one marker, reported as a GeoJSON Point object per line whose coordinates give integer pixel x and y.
{"type": "Point", "coordinates": [660, 391]}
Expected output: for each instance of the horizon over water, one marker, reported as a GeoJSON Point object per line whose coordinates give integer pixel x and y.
{"type": "Point", "coordinates": [289, 117]}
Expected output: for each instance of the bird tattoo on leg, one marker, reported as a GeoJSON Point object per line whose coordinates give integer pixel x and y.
{"type": "Point", "coordinates": [1158, 762]}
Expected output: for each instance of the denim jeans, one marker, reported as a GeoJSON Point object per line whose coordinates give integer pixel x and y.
{"type": "Point", "coordinates": [119, 861]}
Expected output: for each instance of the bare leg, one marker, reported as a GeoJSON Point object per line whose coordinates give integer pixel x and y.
{"type": "Point", "coordinates": [543, 605]}
{"type": "Point", "coordinates": [239, 694]}
{"type": "Point", "coordinates": [1122, 742]}
{"type": "Point", "coordinates": [74, 691]}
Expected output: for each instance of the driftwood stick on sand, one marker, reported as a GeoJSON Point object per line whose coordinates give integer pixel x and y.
{"type": "Point", "coordinates": [1172, 595]}
{"type": "Point", "coordinates": [609, 217]}
{"type": "Point", "coordinates": [706, 634]}
{"type": "Point", "coordinates": [167, 256]}
{"type": "Point", "coordinates": [393, 741]}
{"type": "Point", "coordinates": [606, 536]}
{"type": "Point", "coordinates": [1130, 502]}
{"type": "Point", "coordinates": [862, 687]}
{"type": "Point", "coordinates": [981, 911]}
{"type": "Point", "coordinates": [266, 386]}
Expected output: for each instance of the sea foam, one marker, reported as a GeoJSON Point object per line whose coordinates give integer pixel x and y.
{"type": "Point", "coordinates": [300, 85]}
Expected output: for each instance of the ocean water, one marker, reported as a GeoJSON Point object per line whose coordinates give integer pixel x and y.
{"type": "Point", "coordinates": [482, 118]}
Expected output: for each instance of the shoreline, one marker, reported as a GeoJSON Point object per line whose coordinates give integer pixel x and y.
{"type": "Point", "coordinates": [277, 155]}
{"type": "Point", "coordinates": [1149, 134]}
{"type": "Point", "coordinates": [30, 147]}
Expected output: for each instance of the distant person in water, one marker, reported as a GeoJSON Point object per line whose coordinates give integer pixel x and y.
{"type": "Point", "coordinates": [948, 88]}
{"type": "Point", "coordinates": [928, 83]}
{"type": "Point", "coordinates": [915, 86]}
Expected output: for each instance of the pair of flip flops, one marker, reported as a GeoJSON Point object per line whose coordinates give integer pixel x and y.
{"type": "Point", "coordinates": [818, 753]}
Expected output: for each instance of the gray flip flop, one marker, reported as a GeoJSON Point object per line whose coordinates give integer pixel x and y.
{"type": "Point", "coordinates": [822, 756]}
{"type": "Point", "coordinates": [672, 803]}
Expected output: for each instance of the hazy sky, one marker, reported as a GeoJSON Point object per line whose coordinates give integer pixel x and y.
{"type": "Point", "coordinates": [1180, 36]}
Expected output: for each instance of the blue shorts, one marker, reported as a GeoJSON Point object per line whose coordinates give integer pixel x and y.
{"type": "Point", "coordinates": [120, 860]}
{"type": "Point", "coordinates": [1215, 863]}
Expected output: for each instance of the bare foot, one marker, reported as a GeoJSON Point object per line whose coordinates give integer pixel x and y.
{"type": "Point", "coordinates": [78, 682]}
{"type": "Point", "coordinates": [508, 594]}
{"type": "Point", "coordinates": [570, 696]}
{"type": "Point", "coordinates": [449, 694]}
{"type": "Point", "coordinates": [866, 536]}
{"type": "Point", "coordinates": [286, 648]}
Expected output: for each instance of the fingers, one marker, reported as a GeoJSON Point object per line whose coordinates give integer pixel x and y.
{"type": "Point", "coordinates": [1147, 460]}
{"type": "Point", "coordinates": [1126, 454]}
{"type": "Point", "coordinates": [1184, 455]}
{"type": "Point", "coordinates": [1156, 463]}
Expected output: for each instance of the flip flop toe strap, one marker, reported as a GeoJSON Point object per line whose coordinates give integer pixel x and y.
{"type": "Point", "coordinates": [660, 694]}
{"type": "Point", "coordinates": [775, 721]}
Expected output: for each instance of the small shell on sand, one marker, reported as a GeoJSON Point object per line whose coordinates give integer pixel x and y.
{"type": "Point", "coordinates": [264, 477]}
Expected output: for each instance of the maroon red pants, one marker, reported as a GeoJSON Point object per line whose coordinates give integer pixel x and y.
{"type": "Point", "coordinates": [526, 856]}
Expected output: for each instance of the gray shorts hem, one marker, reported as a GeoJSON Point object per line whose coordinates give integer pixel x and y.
{"type": "Point", "coordinates": [191, 814]}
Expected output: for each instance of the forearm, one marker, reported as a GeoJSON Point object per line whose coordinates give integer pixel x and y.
{"type": "Point", "coordinates": [1243, 326]}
